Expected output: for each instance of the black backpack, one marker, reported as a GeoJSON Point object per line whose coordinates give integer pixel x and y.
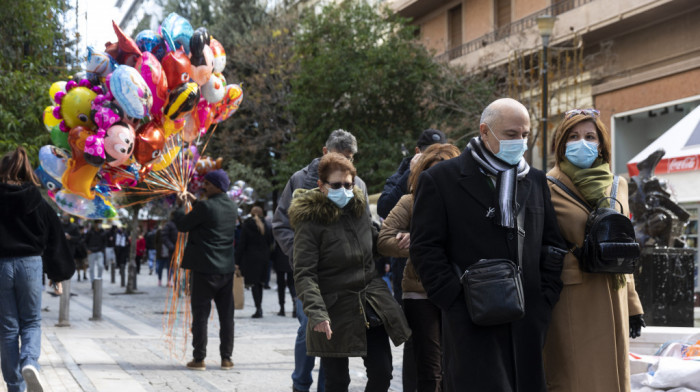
{"type": "Point", "coordinates": [609, 244]}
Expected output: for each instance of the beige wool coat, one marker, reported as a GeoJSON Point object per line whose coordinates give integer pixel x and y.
{"type": "Point", "coordinates": [587, 344]}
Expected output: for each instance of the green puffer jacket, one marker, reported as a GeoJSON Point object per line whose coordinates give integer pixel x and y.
{"type": "Point", "coordinates": [335, 276]}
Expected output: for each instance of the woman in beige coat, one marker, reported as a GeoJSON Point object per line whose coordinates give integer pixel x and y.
{"type": "Point", "coordinates": [423, 316]}
{"type": "Point", "coordinates": [587, 344]}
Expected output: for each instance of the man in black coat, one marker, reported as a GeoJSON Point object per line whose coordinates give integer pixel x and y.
{"type": "Point", "coordinates": [466, 210]}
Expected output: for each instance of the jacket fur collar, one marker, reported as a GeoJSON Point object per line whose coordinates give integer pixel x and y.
{"type": "Point", "coordinates": [312, 205]}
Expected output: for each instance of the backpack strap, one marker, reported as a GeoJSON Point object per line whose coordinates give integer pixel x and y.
{"type": "Point", "coordinates": [521, 235]}
{"type": "Point", "coordinates": [613, 191]}
{"type": "Point", "coordinates": [571, 193]}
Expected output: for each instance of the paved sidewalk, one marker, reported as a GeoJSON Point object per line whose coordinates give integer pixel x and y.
{"type": "Point", "coordinates": [127, 350]}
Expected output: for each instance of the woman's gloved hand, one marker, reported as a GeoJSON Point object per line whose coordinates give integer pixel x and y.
{"type": "Point", "coordinates": [636, 324]}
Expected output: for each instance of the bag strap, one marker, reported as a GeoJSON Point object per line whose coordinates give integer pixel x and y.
{"type": "Point", "coordinates": [571, 193]}
{"type": "Point", "coordinates": [521, 234]}
{"type": "Point", "coordinates": [613, 191]}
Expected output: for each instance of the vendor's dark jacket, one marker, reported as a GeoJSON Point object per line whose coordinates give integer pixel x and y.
{"type": "Point", "coordinates": [95, 240]}
{"type": "Point", "coordinates": [211, 226]}
{"type": "Point", "coordinates": [335, 276]}
{"type": "Point", "coordinates": [30, 227]}
{"type": "Point", "coordinates": [452, 229]}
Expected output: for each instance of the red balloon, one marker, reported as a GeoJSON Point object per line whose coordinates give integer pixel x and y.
{"type": "Point", "coordinates": [177, 68]}
{"type": "Point", "coordinates": [150, 141]}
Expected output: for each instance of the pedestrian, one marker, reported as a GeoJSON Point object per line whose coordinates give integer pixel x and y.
{"type": "Point", "coordinates": [587, 342]}
{"type": "Point", "coordinates": [110, 254]}
{"type": "Point", "coordinates": [344, 143]}
{"type": "Point", "coordinates": [33, 243]}
{"type": "Point", "coordinates": [95, 242]}
{"type": "Point", "coordinates": [466, 210]}
{"type": "Point", "coordinates": [395, 187]}
{"type": "Point", "coordinates": [81, 253]}
{"type": "Point", "coordinates": [169, 239]}
{"type": "Point", "coordinates": [162, 256]}
{"type": "Point", "coordinates": [122, 244]}
{"type": "Point", "coordinates": [285, 279]}
{"type": "Point", "coordinates": [253, 254]}
{"type": "Point", "coordinates": [140, 251]}
{"type": "Point", "coordinates": [423, 316]}
{"type": "Point", "coordinates": [209, 255]}
{"type": "Point", "coordinates": [151, 248]}
{"type": "Point", "coordinates": [350, 309]}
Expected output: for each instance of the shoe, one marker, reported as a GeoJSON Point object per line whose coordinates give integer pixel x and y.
{"type": "Point", "coordinates": [267, 287]}
{"type": "Point", "coordinates": [33, 379]}
{"type": "Point", "coordinates": [196, 365]}
{"type": "Point", "coordinates": [226, 364]}
{"type": "Point", "coordinates": [257, 314]}
{"type": "Point", "coordinates": [281, 312]}
{"type": "Point", "coordinates": [150, 271]}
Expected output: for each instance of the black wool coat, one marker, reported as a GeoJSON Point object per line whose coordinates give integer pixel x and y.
{"type": "Point", "coordinates": [450, 228]}
{"type": "Point", "coordinates": [253, 251]}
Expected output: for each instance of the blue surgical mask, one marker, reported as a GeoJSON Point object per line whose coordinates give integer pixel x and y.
{"type": "Point", "coordinates": [510, 151]}
{"type": "Point", "coordinates": [582, 153]}
{"type": "Point", "coordinates": [341, 196]}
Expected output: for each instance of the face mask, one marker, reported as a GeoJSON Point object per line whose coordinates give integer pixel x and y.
{"type": "Point", "coordinates": [582, 153]}
{"type": "Point", "coordinates": [510, 151]}
{"type": "Point", "coordinates": [341, 196]}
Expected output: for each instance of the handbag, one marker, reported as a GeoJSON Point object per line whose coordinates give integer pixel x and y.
{"type": "Point", "coordinates": [493, 288]}
{"type": "Point", "coordinates": [238, 291]}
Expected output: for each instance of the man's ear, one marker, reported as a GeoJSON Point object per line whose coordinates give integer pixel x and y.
{"type": "Point", "coordinates": [325, 151]}
{"type": "Point", "coordinates": [483, 130]}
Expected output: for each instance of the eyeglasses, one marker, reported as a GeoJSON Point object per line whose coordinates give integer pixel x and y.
{"type": "Point", "coordinates": [338, 185]}
{"type": "Point", "coordinates": [586, 112]}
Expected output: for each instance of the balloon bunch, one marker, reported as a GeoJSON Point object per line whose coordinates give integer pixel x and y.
{"type": "Point", "coordinates": [241, 193]}
{"type": "Point", "coordinates": [143, 102]}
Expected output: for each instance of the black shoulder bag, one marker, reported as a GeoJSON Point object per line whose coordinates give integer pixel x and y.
{"type": "Point", "coordinates": [493, 288]}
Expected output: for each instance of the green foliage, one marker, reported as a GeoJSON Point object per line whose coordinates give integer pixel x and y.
{"type": "Point", "coordinates": [362, 70]}
{"type": "Point", "coordinates": [253, 177]}
{"type": "Point", "coordinates": [36, 52]}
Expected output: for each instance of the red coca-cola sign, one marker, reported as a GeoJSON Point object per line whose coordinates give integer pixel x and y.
{"type": "Point", "coordinates": [682, 164]}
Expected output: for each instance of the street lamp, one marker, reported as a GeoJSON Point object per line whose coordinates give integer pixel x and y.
{"type": "Point", "coordinates": [545, 24]}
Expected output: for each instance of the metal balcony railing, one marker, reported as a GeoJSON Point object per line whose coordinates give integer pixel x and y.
{"type": "Point", "coordinates": [513, 28]}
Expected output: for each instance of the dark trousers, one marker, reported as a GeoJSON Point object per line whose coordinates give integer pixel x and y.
{"type": "Point", "coordinates": [377, 362]}
{"type": "Point", "coordinates": [425, 320]}
{"type": "Point", "coordinates": [408, 374]}
{"type": "Point", "coordinates": [121, 253]}
{"type": "Point", "coordinates": [257, 290]}
{"type": "Point", "coordinates": [204, 288]}
{"type": "Point", "coordinates": [284, 280]}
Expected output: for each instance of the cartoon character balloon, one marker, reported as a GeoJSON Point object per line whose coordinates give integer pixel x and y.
{"type": "Point", "coordinates": [177, 69]}
{"type": "Point", "coordinates": [74, 105]}
{"type": "Point", "coordinates": [150, 41]}
{"type": "Point", "coordinates": [230, 103]}
{"type": "Point", "coordinates": [182, 101]}
{"type": "Point", "coordinates": [219, 55]}
{"type": "Point", "coordinates": [119, 143]}
{"type": "Point", "coordinates": [79, 176]}
{"type": "Point", "coordinates": [150, 141]}
{"type": "Point", "coordinates": [215, 89]}
{"type": "Point", "coordinates": [99, 207]}
{"type": "Point", "coordinates": [177, 32]}
{"type": "Point", "coordinates": [99, 64]}
{"type": "Point", "coordinates": [125, 51]}
{"type": "Point", "coordinates": [152, 72]}
{"type": "Point", "coordinates": [201, 56]}
{"type": "Point", "coordinates": [131, 91]}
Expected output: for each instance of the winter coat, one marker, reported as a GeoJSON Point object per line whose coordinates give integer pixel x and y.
{"type": "Point", "coordinates": [306, 178]}
{"type": "Point", "coordinates": [451, 229]}
{"type": "Point", "coordinates": [588, 340]}
{"type": "Point", "coordinates": [30, 227]}
{"type": "Point", "coordinates": [211, 225]}
{"type": "Point", "coordinates": [399, 220]}
{"type": "Point", "coordinates": [395, 187]}
{"type": "Point", "coordinates": [335, 276]}
{"type": "Point", "coordinates": [253, 251]}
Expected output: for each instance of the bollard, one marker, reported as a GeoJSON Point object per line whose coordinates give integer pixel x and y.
{"type": "Point", "coordinates": [64, 306]}
{"type": "Point", "coordinates": [121, 275]}
{"type": "Point", "coordinates": [113, 273]}
{"type": "Point", "coordinates": [96, 300]}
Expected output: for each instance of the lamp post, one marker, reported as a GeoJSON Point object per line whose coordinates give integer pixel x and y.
{"type": "Point", "coordinates": [545, 24]}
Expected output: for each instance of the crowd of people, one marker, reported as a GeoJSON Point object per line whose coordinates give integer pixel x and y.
{"type": "Point", "coordinates": [443, 212]}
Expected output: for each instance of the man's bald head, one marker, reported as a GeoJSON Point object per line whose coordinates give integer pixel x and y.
{"type": "Point", "coordinates": [500, 108]}
{"type": "Point", "coordinates": [504, 119]}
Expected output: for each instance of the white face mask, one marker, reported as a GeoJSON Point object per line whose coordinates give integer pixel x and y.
{"type": "Point", "coordinates": [510, 151]}
{"type": "Point", "coordinates": [341, 197]}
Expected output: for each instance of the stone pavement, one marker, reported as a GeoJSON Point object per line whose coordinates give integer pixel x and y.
{"type": "Point", "coordinates": [127, 350]}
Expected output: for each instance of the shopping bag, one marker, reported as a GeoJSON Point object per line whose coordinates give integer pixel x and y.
{"type": "Point", "coordinates": [238, 291]}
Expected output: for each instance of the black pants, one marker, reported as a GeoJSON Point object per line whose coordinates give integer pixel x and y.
{"type": "Point", "coordinates": [377, 362]}
{"type": "Point", "coordinates": [284, 280]}
{"type": "Point", "coordinates": [204, 288]}
{"type": "Point", "coordinates": [121, 254]}
{"type": "Point", "coordinates": [425, 320]}
{"type": "Point", "coordinates": [257, 290]}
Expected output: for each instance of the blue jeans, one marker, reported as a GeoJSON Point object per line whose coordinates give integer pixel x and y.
{"type": "Point", "coordinates": [162, 263]}
{"type": "Point", "coordinates": [151, 258]}
{"type": "Point", "coordinates": [303, 364]}
{"type": "Point", "coordinates": [20, 317]}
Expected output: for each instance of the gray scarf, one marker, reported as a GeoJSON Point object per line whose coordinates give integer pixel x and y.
{"type": "Point", "coordinates": [506, 180]}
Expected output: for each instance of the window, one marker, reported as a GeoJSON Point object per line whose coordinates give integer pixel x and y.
{"type": "Point", "coordinates": [454, 25]}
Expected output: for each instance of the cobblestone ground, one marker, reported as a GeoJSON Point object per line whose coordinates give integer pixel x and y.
{"type": "Point", "coordinates": [127, 350]}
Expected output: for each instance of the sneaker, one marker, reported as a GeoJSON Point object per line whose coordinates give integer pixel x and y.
{"type": "Point", "coordinates": [33, 379]}
{"type": "Point", "coordinates": [196, 365]}
{"type": "Point", "coordinates": [226, 364]}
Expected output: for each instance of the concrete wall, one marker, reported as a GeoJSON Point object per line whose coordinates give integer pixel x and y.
{"type": "Point", "coordinates": [433, 33]}
{"type": "Point", "coordinates": [478, 18]}
{"type": "Point", "coordinates": [521, 9]}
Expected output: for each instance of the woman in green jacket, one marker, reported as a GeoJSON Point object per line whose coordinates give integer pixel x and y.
{"type": "Point", "coordinates": [351, 311]}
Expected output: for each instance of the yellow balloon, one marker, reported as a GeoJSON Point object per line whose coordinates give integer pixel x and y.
{"type": "Point", "coordinates": [166, 159]}
{"type": "Point", "coordinates": [49, 120]}
{"type": "Point", "coordinates": [56, 87]}
{"type": "Point", "coordinates": [75, 107]}
{"type": "Point", "coordinates": [171, 127]}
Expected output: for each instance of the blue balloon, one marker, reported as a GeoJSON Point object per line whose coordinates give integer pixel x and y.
{"type": "Point", "coordinates": [177, 32]}
{"type": "Point", "coordinates": [47, 181]}
{"type": "Point", "coordinates": [150, 41]}
{"type": "Point", "coordinates": [130, 91]}
{"type": "Point", "coordinates": [53, 161]}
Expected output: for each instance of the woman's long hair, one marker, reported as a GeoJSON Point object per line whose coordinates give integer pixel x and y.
{"type": "Point", "coordinates": [432, 155]}
{"type": "Point", "coordinates": [16, 168]}
{"type": "Point", "coordinates": [257, 214]}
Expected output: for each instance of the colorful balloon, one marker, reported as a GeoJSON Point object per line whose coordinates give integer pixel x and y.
{"type": "Point", "coordinates": [53, 160]}
{"type": "Point", "coordinates": [119, 143]}
{"type": "Point", "coordinates": [166, 158]}
{"type": "Point", "coordinates": [219, 55]}
{"type": "Point", "coordinates": [96, 208]}
{"type": "Point", "coordinates": [177, 69]}
{"type": "Point", "coordinates": [60, 138]}
{"type": "Point", "coordinates": [79, 176]}
{"type": "Point", "coordinates": [125, 51]}
{"type": "Point", "coordinates": [50, 121]}
{"type": "Point", "coordinates": [190, 131]}
{"type": "Point", "coordinates": [57, 87]}
{"type": "Point", "coordinates": [74, 105]}
{"type": "Point", "coordinates": [150, 141]}
{"type": "Point", "coordinates": [150, 41]}
{"type": "Point", "coordinates": [131, 91]}
{"type": "Point", "coordinates": [202, 57]}
{"type": "Point", "coordinates": [215, 89]}
{"type": "Point", "coordinates": [182, 101]}
{"type": "Point", "coordinates": [50, 183]}
{"type": "Point", "coordinates": [99, 64]}
{"type": "Point", "coordinates": [152, 72]}
{"type": "Point", "coordinates": [172, 127]}
{"type": "Point", "coordinates": [203, 115]}
{"type": "Point", "coordinates": [177, 32]}
{"type": "Point", "coordinates": [230, 103]}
